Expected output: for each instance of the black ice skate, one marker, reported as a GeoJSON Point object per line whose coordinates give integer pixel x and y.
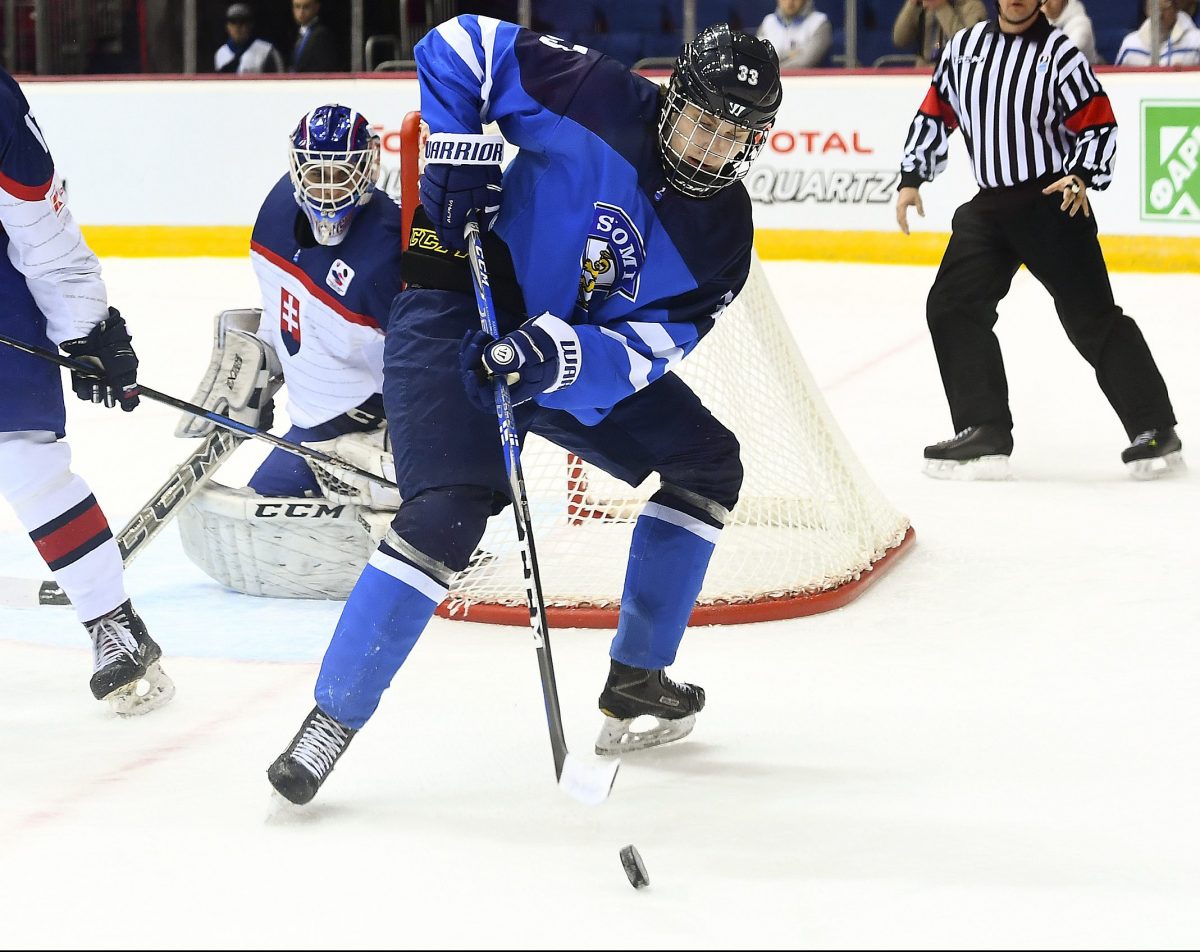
{"type": "Point", "coordinates": [631, 693]}
{"type": "Point", "coordinates": [126, 669]}
{"type": "Point", "coordinates": [301, 769]}
{"type": "Point", "coordinates": [1154, 453]}
{"type": "Point", "coordinates": [978, 452]}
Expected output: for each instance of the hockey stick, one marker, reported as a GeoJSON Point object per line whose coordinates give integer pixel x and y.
{"type": "Point", "coordinates": [183, 483]}
{"type": "Point", "coordinates": [296, 449]}
{"type": "Point", "coordinates": [589, 783]}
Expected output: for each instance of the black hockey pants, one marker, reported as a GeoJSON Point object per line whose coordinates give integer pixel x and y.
{"type": "Point", "coordinates": [995, 233]}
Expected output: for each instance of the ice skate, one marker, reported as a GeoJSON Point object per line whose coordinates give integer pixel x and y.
{"type": "Point", "coordinates": [1155, 453]}
{"type": "Point", "coordinates": [301, 769]}
{"type": "Point", "coordinates": [631, 693]}
{"type": "Point", "coordinates": [975, 453]}
{"type": "Point", "coordinates": [126, 669]}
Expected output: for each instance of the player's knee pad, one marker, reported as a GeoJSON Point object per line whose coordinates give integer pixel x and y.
{"type": "Point", "coordinates": [445, 524]}
{"type": "Point", "coordinates": [32, 463]}
{"type": "Point", "coordinates": [279, 546]}
{"type": "Point", "coordinates": [713, 472]}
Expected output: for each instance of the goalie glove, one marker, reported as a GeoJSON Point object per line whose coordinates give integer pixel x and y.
{"type": "Point", "coordinates": [242, 376]}
{"type": "Point", "coordinates": [370, 450]}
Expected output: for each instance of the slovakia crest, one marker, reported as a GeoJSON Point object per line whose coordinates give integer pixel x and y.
{"type": "Point", "coordinates": [289, 321]}
{"type": "Point", "coordinates": [339, 277]}
{"type": "Point", "coordinates": [613, 256]}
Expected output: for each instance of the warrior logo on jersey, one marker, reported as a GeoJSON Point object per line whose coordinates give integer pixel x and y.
{"type": "Point", "coordinates": [339, 277]}
{"type": "Point", "coordinates": [289, 320]}
{"type": "Point", "coordinates": [613, 257]}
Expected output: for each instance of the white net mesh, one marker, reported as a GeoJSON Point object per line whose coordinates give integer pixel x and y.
{"type": "Point", "coordinates": [809, 519]}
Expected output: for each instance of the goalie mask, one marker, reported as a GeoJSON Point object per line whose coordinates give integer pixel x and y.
{"type": "Point", "coordinates": [719, 106]}
{"type": "Point", "coordinates": [334, 162]}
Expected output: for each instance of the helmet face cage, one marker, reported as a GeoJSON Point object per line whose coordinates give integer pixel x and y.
{"type": "Point", "coordinates": [719, 106]}
{"type": "Point", "coordinates": [333, 162]}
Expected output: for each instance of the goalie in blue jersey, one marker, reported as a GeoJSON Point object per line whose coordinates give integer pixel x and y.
{"type": "Point", "coordinates": [619, 234]}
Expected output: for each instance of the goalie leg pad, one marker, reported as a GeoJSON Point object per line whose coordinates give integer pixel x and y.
{"type": "Point", "coordinates": [283, 547]}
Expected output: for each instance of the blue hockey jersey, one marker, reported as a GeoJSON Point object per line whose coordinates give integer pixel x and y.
{"type": "Point", "coordinates": [597, 236]}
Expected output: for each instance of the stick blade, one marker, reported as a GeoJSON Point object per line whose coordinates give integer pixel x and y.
{"type": "Point", "coordinates": [588, 781]}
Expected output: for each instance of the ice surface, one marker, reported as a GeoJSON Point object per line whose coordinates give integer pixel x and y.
{"type": "Point", "coordinates": [996, 746]}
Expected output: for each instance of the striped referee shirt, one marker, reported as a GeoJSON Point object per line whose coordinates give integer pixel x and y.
{"type": "Point", "coordinates": [1028, 105]}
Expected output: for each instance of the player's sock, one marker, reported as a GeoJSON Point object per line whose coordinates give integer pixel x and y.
{"type": "Point", "coordinates": [64, 521]}
{"type": "Point", "coordinates": [384, 616]}
{"type": "Point", "coordinates": [668, 557]}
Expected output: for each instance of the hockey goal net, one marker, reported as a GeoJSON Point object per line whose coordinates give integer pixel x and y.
{"type": "Point", "coordinates": [809, 532]}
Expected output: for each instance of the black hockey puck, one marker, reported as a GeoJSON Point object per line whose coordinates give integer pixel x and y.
{"type": "Point", "coordinates": [635, 869]}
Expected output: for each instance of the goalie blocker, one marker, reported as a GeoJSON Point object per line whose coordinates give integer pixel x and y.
{"type": "Point", "coordinates": [290, 546]}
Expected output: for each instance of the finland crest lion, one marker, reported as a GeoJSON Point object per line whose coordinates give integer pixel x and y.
{"type": "Point", "coordinates": [613, 256]}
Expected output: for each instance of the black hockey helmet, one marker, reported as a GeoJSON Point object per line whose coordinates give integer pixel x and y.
{"type": "Point", "coordinates": [720, 105]}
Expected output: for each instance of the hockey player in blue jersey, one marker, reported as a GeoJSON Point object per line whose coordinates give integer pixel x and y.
{"type": "Point", "coordinates": [326, 250]}
{"type": "Point", "coordinates": [621, 232]}
{"type": "Point", "coordinates": [52, 295]}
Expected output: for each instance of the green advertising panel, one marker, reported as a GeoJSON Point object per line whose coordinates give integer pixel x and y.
{"type": "Point", "coordinates": [1170, 159]}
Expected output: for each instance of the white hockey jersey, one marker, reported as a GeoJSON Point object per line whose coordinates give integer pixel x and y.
{"type": "Point", "coordinates": [325, 309]}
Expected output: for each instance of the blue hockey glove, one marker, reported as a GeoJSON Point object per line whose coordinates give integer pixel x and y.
{"type": "Point", "coordinates": [461, 180]}
{"type": "Point", "coordinates": [109, 348]}
{"type": "Point", "coordinates": [531, 360]}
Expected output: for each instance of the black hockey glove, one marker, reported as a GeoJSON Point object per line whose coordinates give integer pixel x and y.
{"type": "Point", "coordinates": [461, 180]}
{"type": "Point", "coordinates": [109, 348]}
{"type": "Point", "coordinates": [527, 359]}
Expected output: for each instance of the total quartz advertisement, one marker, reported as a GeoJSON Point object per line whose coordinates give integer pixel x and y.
{"type": "Point", "coordinates": [188, 153]}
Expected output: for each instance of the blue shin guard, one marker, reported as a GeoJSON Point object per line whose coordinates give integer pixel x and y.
{"type": "Point", "coordinates": [384, 616]}
{"type": "Point", "coordinates": [668, 558]}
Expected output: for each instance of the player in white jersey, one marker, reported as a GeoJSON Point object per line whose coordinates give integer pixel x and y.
{"type": "Point", "coordinates": [52, 295]}
{"type": "Point", "coordinates": [326, 250]}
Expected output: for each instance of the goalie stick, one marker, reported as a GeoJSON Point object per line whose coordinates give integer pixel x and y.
{"type": "Point", "coordinates": [146, 523]}
{"type": "Point", "coordinates": [589, 783]}
{"type": "Point", "coordinates": [297, 449]}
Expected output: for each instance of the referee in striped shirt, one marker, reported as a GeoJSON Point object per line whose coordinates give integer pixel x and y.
{"type": "Point", "coordinates": [1040, 132]}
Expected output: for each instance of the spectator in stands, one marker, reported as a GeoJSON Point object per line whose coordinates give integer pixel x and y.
{"type": "Point", "coordinates": [1071, 17]}
{"type": "Point", "coordinates": [316, 49]}
{"type": "Point", "coordinates": [1180, 39]}
{"type": "Point", "coordinates": [800, 33]}
{"type": "Point", "coordinates": [243, 52]}
{"type": "Point", "coordinates": [925, 26]}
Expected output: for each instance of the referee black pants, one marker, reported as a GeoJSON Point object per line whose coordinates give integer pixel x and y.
{"type": "Point", "coordinates": [994, 234]}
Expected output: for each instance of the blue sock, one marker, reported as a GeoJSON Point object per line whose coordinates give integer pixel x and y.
{"type": "Point", "coordinates": [389, 607]}
{"type": "Point", "coordinates": [668, 557]}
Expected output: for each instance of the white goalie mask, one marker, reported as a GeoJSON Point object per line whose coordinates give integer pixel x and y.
{"type": "Point", "coordinates": [334, 164]}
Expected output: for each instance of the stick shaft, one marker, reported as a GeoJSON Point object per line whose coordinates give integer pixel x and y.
{"type": "Point", "coordinates": [516, 480]}
{"type": "Point", "coordinates": [220, 420]}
